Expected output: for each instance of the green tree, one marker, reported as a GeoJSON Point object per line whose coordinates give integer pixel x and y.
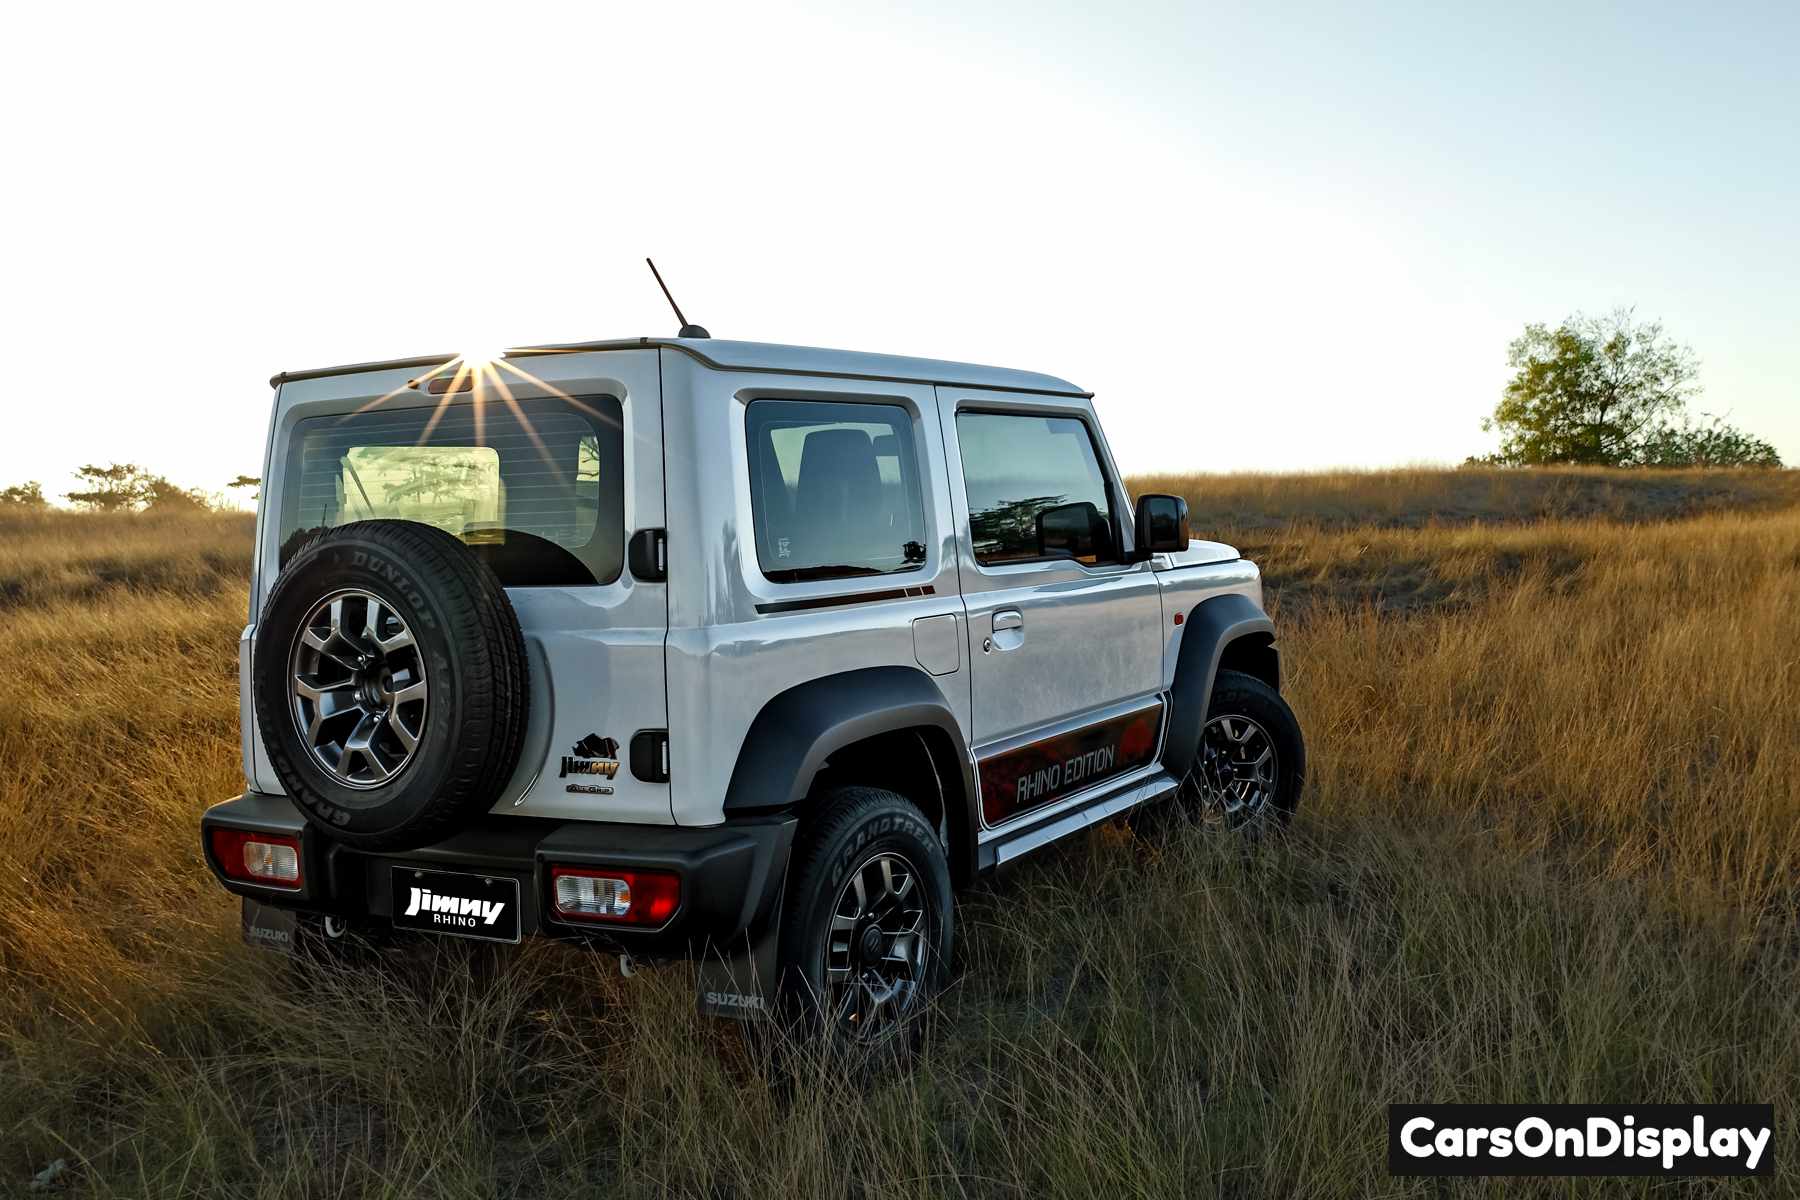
{"type": "Point", "coordinates": [254, 483]}
{"type": "Point", "coordinates": [23, 495]}
{"type": "Point", "coordinates": [1609, 391]}
{"type": "Point", "coordinates": [1589, 390]}
{"type": "Point", "coordinates": [117, 487]}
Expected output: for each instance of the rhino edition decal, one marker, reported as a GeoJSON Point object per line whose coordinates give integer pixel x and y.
{"type": "Point", "coordinates": [1042, 772]}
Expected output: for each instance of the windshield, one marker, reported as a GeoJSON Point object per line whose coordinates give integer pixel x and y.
{"type": "Point", "coordinates": [535, 486]}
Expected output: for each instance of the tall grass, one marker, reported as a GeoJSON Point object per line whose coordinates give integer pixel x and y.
{"type": "Point", "coordinates": [1550, 851]}
{"type": "Point", "coordinates": [53, 556]}
{"type": "Point", "coordinates": [1414, 497]}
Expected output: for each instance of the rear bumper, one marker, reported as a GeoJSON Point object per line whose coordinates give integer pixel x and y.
{"type": "Point", "coordinates": [730, 874]}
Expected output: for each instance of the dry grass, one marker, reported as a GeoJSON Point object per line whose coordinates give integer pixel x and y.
{"type": "Point", "coordinates": [48, 558]}
{"type": "Point", "coordinates": [1418, 497]}
{"type": "Point", "coordinates": [1551, 852]}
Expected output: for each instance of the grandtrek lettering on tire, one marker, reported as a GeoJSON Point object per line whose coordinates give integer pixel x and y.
{"type": "Point", "coordinates": [830, 704]}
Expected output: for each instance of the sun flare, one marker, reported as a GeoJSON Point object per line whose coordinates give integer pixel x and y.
{"type": "Point", "coordinates": [480, 357]}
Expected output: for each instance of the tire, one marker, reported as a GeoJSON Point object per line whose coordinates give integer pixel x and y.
{"type": "Point", "coordinates": [854, 833]}
{"type": "Point", "coordinates": [399, 653]}
{"type": "Point", "coordinates": [1245, 719]}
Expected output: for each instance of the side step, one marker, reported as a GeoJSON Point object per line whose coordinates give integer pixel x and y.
{"type": "Point", "coordinates": [1016, 843]}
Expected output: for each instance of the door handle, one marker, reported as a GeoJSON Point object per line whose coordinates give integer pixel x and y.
{"type": "Point", "coordinates": [1008, 618]}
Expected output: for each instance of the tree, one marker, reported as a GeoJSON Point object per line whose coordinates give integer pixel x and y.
{"type": "Point", "coordinates": [127, 487]}
{"type": "Point", "coordinates": [162, 496]}
{"type": "Point", "coordinates": [1609, 391]}
{"type": "Point", "coordinates": [118, 487]}
{"type": "Point", "coordinates": [247, 481]}
{"type": "Point", "coordinates": [1588, 390]}
{"type": "Point", "coordinates": [23, 495]}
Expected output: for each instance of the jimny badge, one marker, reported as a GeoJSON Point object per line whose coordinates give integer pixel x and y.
{"type": "Point", "coordinates": [593, 755]}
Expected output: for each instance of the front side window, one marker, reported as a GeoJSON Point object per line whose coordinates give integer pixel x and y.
{"type": "Point", "coordinates": [535, 487]}
{"type": "Point", "coordinates": [835, 490]}
{"type": "Point", "coordinates": [1036, 489]}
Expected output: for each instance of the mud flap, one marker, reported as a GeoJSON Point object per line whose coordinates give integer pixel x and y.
{"type": "Point", "coordinates": [270, 928]}
{"type": "Point", "coordinates": [736, 979]}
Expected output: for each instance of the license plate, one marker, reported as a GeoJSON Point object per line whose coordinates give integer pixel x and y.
{"type": "Point", "coordinates": [471, 906]}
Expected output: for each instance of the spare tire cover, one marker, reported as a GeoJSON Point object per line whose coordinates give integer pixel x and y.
{"type": "Point", "coordinates": [390, 683]}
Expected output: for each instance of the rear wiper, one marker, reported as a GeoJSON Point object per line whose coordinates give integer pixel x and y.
{"type": "Point", "coordinates": [368, 504]}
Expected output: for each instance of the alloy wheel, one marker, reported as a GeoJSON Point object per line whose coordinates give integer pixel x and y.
{"type": "Point", "coordinates": [875, 957]}
{"type": "Point", "coordinates": [358, 689]}
{"type": "Point", "coordinates": [1233, 781]}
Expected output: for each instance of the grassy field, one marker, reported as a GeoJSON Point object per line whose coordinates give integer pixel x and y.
{"type": "Point", "coordinates": [1549, 851]}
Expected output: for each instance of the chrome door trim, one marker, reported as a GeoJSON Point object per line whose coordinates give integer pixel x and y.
{"type": "Point", "coordinates": [1151, 783]}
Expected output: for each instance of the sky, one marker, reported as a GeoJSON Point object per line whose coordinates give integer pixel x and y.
{"type": "Point", "coordinates": [1276, 237]}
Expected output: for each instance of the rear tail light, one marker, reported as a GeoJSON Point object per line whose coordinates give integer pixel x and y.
{"type": "Point", "coordinates": [615, 895]}
{"type": "Point", "coordinates": [271, 859]}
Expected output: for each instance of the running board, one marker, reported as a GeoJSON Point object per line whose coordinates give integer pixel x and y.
{"type": "Point", "coordinates": [1002, 850]}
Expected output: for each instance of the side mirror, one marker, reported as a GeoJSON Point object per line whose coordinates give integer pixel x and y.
{"type": "Point", "coordinates": [1070, 530]}
{"type": "Point", "coordinates": [1162, 525]}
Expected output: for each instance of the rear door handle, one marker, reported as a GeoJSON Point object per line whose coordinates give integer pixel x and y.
{"type": "Point", "coordinates": [1008, 618]}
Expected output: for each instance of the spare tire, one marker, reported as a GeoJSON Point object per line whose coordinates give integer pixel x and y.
{"type": "Point", "coordinates": [390, 683]}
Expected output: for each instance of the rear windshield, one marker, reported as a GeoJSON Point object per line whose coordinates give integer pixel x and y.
{"type": "Point", "coordinates": [535, 487]}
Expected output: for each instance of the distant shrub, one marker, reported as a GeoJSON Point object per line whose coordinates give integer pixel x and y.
{"type": "Point", "coordinates": [23, 495]}
{"type": "Point", "coordinates": [162, 496]}
{"type": "Point", "coordinates": [1713, 444]}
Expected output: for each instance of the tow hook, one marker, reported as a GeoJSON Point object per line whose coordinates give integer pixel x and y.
{"type": "Point", "coordinates": [627, 967]}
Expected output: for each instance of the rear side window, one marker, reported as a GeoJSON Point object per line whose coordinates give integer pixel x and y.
{"type": "Point", "coordinates": [535, 487]}
{"type": "Point", "coordinates": [1036, 489]}
{"type": "Point", "coordinates": [835, 490]}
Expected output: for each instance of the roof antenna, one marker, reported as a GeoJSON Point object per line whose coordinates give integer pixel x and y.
{"type": "Point", "coordinates": [687, 331]}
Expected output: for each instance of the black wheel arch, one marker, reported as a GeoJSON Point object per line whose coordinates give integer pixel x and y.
{"type": "Point", "coordinates": [1228, 632]}
{"type": "Point", "coordinates": [886, 726]}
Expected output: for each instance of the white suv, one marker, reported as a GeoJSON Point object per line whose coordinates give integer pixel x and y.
{"type": "Point", "coordinates": [747, 653]}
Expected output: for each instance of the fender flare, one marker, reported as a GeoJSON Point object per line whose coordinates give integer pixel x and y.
{"type": "Point", "coordinates": [799, 729]}
{"type": "Point", "coordinates": [1211, 625]}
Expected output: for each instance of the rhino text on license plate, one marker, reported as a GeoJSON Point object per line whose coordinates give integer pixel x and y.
{"type": "Point", "coordinates": [473, 906]}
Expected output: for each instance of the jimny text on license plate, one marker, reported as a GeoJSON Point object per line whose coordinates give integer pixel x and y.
{"type": "Point", "coordinates": [472, 906]}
